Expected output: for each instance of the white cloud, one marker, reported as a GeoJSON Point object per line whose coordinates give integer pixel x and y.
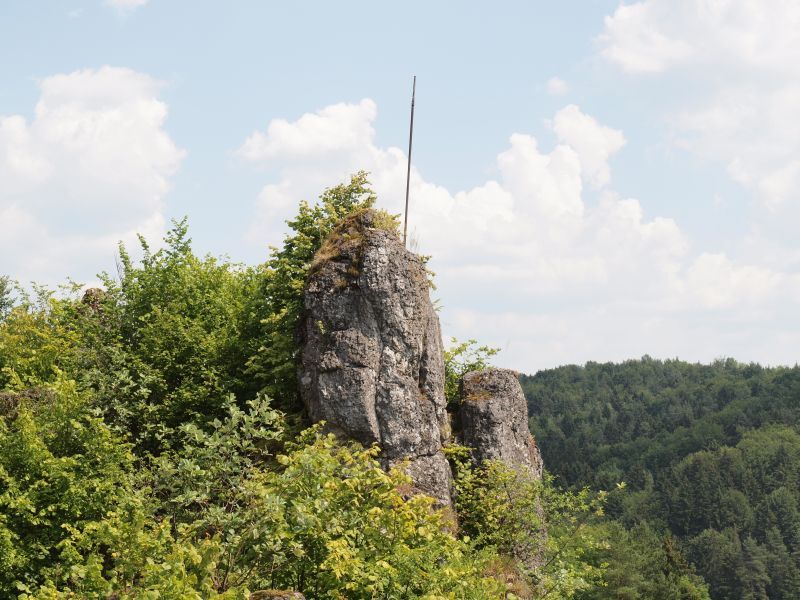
{"type": "Point", "coordinates": [125, 6]}
{"type": "Point", "coordinates": [718, 283]}
{"type": "Point", "coordinates": [593, 142]}
{"type": "Point", "coordinates": [741, 58]}
{"type": "Point", "coordinates": [337, 128]}
{"type": "Point", "coordinates": [90, 168]}
{"type": "Point", "coordinates": [557, 86]}
{"type": "Point", "coordinates": [631, 41]}
{"type": "Point", "coordinates": [525, 261]}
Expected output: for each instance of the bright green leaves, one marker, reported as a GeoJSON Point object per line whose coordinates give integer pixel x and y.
{"type": "Point", "coordinates": [38, 340]}
{"type": "Point", "coordinates": [349, 533]}
{"type": "Point", "coordinates": [546, 535]}
{"type": "Point", "coordinates": [162, 350]}
{"type": "Point", "coordinates": [318, 517]}
{"type": "Point", "coordinates": [61, 471]}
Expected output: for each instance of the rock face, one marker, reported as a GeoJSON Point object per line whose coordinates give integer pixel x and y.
{"type": "Point", "coordinates": [493, 420]}
{"type": "Point", "coordinates": [371, 361]}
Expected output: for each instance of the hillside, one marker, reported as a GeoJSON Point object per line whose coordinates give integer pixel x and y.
{"type": "Point", "coordinates": [710, 454]}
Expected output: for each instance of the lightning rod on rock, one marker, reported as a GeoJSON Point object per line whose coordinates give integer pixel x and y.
{"type": "Point", "coordinates": [408, 170]}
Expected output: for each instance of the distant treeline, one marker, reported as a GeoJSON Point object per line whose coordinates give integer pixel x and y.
{"type": "Point", "coordinates": [710, 455]}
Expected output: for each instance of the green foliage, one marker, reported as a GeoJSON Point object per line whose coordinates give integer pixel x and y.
{"type": "Point", "coordinates": [61, 471]}
{"type": "Point", "coordinates": [131, 555]}
{"type": "Point", "coordinates": [212, 486]}
{"type": "Point", "coordinates": [38, 341]}
{"type": "Point", "coordinates": [141, 458]}
{"type": "Point", "coordinates": [274, 312]}
{"type": "Point", "coordinates": [345, 531]}
{"type": "Point", "coordinates": [6, 296]}
{"type": "Point", "coordinates": [159, 347]}
{"type": "Point", "coordinates": [641, 563]}
{"type": "Point", "coordinates": [319, 517]}
{"type": "Point", "coordinates": [462, 358]}
{"type": "Point", "coordinates": [711, 454]}
{"type": "Point", "coordinates": [72, 522]}
{"type": "Point", "coordinates": [547, 532]}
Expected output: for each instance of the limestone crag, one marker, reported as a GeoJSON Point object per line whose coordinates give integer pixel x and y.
{"type": "Point", "coordinates": [493, 420]}
{"type": "Point", "coordinates": [371, 361]}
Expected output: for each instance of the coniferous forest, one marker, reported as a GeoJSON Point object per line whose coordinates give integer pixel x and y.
{"type": "Point", "coordinates": [710, 455]}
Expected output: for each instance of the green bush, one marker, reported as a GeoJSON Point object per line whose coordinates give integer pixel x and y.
{"type": "Point", "coordinates": [61, 472]}
{"type": "Point", "coordinates": [549, 534]}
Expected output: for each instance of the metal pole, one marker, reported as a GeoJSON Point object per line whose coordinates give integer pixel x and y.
{"type": "Point", "coordinates": [408, 170]}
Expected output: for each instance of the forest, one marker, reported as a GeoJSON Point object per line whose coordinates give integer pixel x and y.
{"type": "Point", "coordinates": [710, 458]}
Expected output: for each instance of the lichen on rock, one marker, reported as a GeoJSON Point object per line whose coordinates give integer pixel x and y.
{"type": "Point", "coordinates": [492, 420]}
{"type": "Point", "coordinates": [371, 361]}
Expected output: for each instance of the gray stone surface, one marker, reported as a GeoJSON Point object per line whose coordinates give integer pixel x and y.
{"type": "Point", "coordinates": [493, 420]}
{"type": "Point", "coordinates": [371, 361]}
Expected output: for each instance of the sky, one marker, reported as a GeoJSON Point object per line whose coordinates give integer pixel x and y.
{"type": "Point", "coordinates": [594, 180]}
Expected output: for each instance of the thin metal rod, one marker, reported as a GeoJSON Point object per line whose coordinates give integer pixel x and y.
{"type": "Point", "coordinates": [408, 170]}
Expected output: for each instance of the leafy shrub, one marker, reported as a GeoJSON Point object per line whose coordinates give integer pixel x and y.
{"type": "Point", "coordinates": [547, 533]}
{"type": "Point", "coordinates": [160, 344]}
{"type": "Point", "coordinates": [39, 340]}
{"type": "Point", "coordinates": [61, 472]}
{"type": "Point", "coordinates": [320, 517]}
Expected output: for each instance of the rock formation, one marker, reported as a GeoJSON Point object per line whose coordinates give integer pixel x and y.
{"type": "Point", "coordinates": [371, 361]}
{"type": "Point", "coordinates": [493, 420]}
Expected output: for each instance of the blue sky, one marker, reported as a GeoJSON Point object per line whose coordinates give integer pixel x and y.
{"type": "Point", "coordinates": [595, 180]}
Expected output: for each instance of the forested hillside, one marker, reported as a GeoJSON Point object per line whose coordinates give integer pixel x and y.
{"type": "Point", "coordinates": [710, 455]}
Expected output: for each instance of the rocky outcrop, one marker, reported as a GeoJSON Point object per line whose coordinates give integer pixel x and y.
{"type": "Point", "coordinates": [493, 420]}
{"type": "Point", "coordinates": [371, 362]}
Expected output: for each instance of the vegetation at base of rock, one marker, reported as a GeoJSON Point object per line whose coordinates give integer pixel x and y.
{"type": "Point", "coordinates": [142, 457]}
{"type": "Point", "coordinates": [550, 535]}
{"type": "Point", "coordinates": [711, 458]}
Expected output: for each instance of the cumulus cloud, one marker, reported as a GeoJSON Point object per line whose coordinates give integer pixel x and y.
{"type": "Point", "coordinates": [526, 261]}
{"type": "Point", "coordinates": [91, 168]}
{"type": "Point", "coordinates": [741, 56]}
{"type": "Point", "coordinates": [657, 35]}
{"type": "Point", "coordinates": [593, 142]}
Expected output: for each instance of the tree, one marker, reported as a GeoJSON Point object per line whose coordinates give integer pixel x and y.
{"type": "Point", "coordinates": [546, 535]}
{"type": "Point", "coordinates": [6, 298]}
